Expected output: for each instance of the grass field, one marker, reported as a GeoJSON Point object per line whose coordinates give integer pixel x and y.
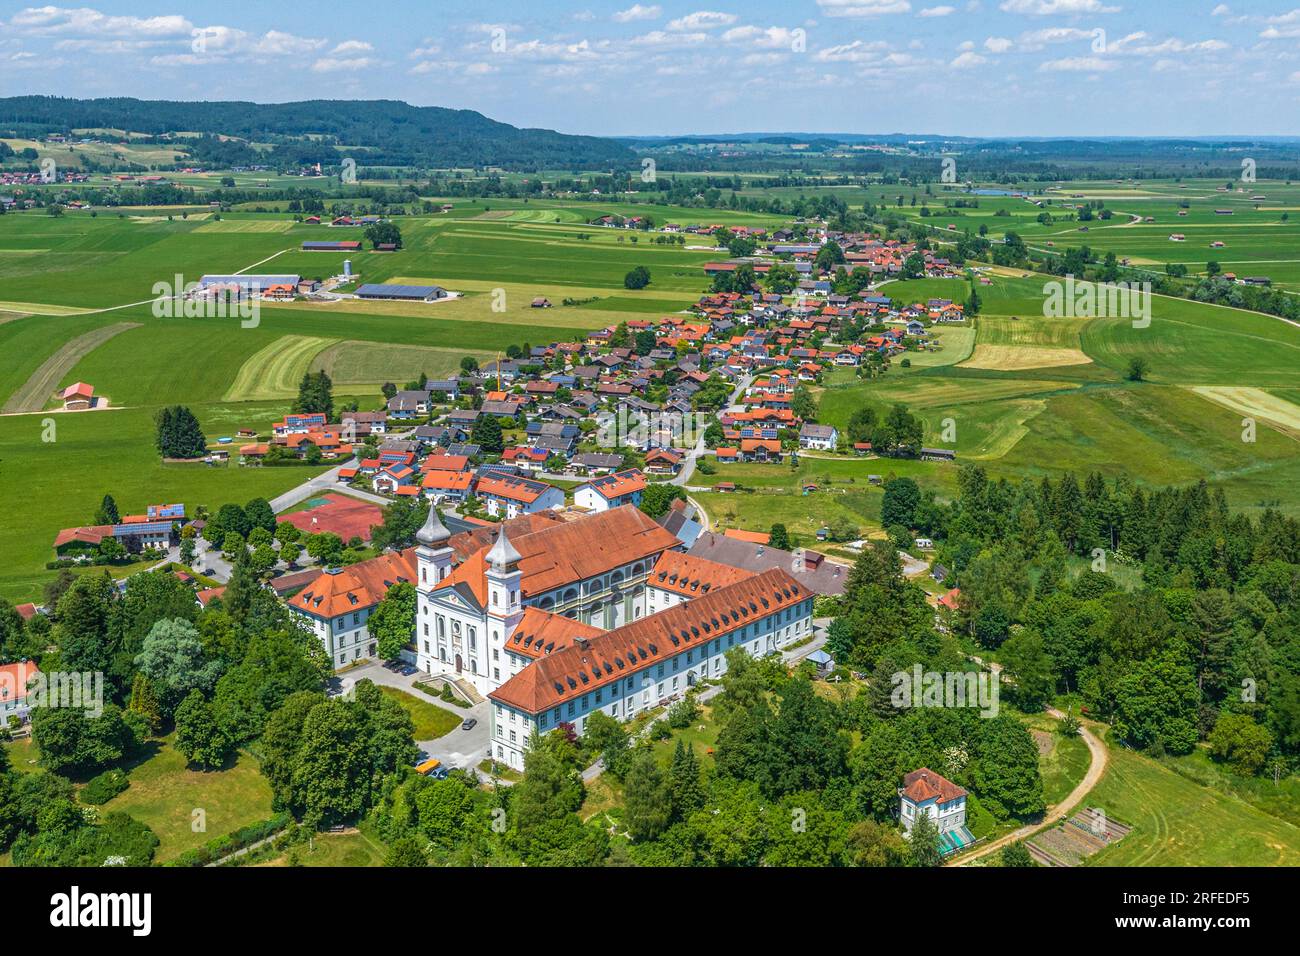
{"type": "Point", "coordinates": [1177, 822]}
{"type": "Point", "coordinates": [370, 364]}
{"type": "Point", "coordinates": [38, 391]}
{"type": "Point", "coordinates": [431, 721]}
{"type": "Point", "coordinates": [165, 794]}
{"type": "Point", "coordinates": [275, 370]}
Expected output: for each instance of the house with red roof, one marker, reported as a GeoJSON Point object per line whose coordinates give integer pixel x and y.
{"type": "Point", "coordinates": [78, 397]}
{"type": "Point", "coordinates": [14, 692]}
{"type": "Point", "coordinates": [926, 792]}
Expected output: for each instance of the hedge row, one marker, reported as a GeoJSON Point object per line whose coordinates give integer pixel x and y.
{"type": "Point", "coordinates": [214, 850]}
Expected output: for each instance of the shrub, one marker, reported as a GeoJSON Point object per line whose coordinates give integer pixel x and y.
{"type": "Point", "coordinates": [103, 788]}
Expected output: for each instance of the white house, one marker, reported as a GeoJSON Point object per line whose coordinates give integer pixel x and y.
{"type": "Point", "coordinates": [14, 679]}
{"type": "Point", "coordinates": [508, 496]}
{"type": "Point", "coordinates": [929, 793]}
{"type": "Point", "coordinates": [823, 437]}
{"type": "Point", "coordinates": [611, 491]}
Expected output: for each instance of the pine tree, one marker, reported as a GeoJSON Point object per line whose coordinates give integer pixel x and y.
{"type": "Point", "coordinates": [684, 782]}
{"type": "Point", "coordinates": [107, 513]}
{"type": "Point", "coordinates": [145, 702]}
{"type": "Point", "coordinates": [923, 842]}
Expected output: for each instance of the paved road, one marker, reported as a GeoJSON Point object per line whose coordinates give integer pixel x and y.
{"type": "Point", "coordinates": [459, 749]}
{"type": "Point", "coordinates": [1100, 758]}
{"type": "Point", "coordinates": [688, 463]}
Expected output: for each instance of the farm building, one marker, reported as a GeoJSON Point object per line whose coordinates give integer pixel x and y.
{"type": "Point", "coordinates": [249, 283]}
{"type": "Point", "coordinates": [406, 293]}
{"type": "Point", "coordinates": [349, 245]}
{"type": "Point", "coordinates": [79, 396]}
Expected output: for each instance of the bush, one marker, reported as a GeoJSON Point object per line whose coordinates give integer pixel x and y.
{"type": "Point", "coordinates": [682, 714]}
{"type": "Point", "coordinates": [103, 788]}
{"type": "Point", "coordinates": [215, 849]}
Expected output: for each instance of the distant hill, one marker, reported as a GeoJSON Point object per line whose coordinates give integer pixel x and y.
{"type": "Point", "coordinates": [392, 133]}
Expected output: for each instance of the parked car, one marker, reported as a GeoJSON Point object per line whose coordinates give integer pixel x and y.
{"type": "Point", "coordinates": [430, 767]}
{"type": "Point", "coordinates": [469, 724]}
{"type": "Point", "coordinates": [440, 774]}
{"type": "Point", "coordinates": [410, 669]}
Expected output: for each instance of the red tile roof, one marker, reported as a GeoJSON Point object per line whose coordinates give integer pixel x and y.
{"type": "Point", "coordinates": [356, 587]}
{"type": "Point", "coordinates": [683, 574]}
{"type": "Point", "coordinates": [539, 633]}
{"type": "Point", "coordinates": [924, 784]}
{"type": "Point", "coordinates": [612, 655]}
{"type": "Point", "coordinates": [618, 484]}
{"type": "Point", "coordinates": [14, 679]}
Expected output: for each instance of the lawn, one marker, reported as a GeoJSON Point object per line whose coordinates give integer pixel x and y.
{"type": "Point", "coordinates": [352, 848]}
{"type": "Point", "coordinates": [166, 795]}
{"type": "Point", "coordinates": [1177, 822]}
{"type": "Point", "coordinates": [431, 721]}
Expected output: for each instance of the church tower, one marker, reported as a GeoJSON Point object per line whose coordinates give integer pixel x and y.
{"type": "Point", "coordinates": [433, 552]}
{"type": "Point", "coordinates": [505, 598]}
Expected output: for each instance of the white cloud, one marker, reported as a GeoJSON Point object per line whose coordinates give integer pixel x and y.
{"type": "Point", "coordinates": [937, 11]}
{"type": "Point", "coordinates": [352, 46]}
{"type": "Point", "coordinates": [771, 38]}
{"type": "Point", "coordinates": [856, 52]}
{"type": "Point", "coordinates": [51, 20]}
{"type": "Point", "coordinates": [660, 38]}
{"type": "Point", "coordinates": [342, 65]}
{"type": "Point", "coordinates": [702, 20]}
{"type": "Point", "coordinates": [1077, 64]}
{"type": "Point", "coordinates": [1220, 11]}
{"type": "Point", "coordinates": [997, 44]}
{"type": "Point", "coordinates": [1047, 8]}
{"type": "Point", "coordinates": [863, 8]}
{"type": "Point", "coordinates": [967, 60]}
{"type": "Point", "coordinates": [638, 12]}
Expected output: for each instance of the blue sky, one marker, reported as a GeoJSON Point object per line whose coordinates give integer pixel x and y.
{"type": "Point", "coordinates": [971, 67]}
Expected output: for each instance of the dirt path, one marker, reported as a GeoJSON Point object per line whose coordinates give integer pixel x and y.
{"type": "Point", "coordinates": [1100, 758]}
{"type": "Point", "coordinates": [32, 395]}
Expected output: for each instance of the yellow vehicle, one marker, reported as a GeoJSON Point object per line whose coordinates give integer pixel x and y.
{"type": "Point", "coordinates": [428, 767]}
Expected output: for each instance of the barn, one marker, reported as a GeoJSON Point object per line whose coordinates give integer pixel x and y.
{"type": "Point", "coordinates": [406, 293]}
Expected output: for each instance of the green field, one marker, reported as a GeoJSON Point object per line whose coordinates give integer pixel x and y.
{"type": "Point", "coordinates": [187, 808]}
{"type": "Point", "coordinates": [1177, 822]}
{"type": "Point", "coordinates": [431, 720]}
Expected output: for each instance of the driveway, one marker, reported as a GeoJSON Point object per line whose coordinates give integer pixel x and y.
{"type": "Point", "coordinates": [458, 749]}
{"type": "Point", "coordinates": [1100, 758]}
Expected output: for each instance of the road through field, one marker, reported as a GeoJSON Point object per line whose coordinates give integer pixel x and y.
{"type": "Point", "coordinates": [1100, 758]}
{"type": "Point", "coordinates": [36, 391]}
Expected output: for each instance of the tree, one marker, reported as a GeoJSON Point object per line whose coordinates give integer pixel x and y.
{"type": "Point", "coordinates": [258, 514]}
{"type": "Point", "coordinates": [685, 788]}
{"type": "Point", "coordinates": [638, 278]}
{"type": "Point", "coordinates": [107, 513]}
{"type": "Point", "coordinates": [803, 404]}
{"type": "Point", "coordinates": [178, 434]}
{"type": "Point", "coordinates": [1017, 855]}
{"type": "Point", "coordinates": [1137, 369]}
{"type": "Point", "coordinates": [486, 433]}
{"type": "Point", "coordinates": [901, 499]}
{"type": "Point", "coordinates": [923, 842]}
{"type": "Point", "coordinates": [405, 852]}
{"type": "Point", "coordinates": [1005, 771]}
{"type": "Point", "coordinates": [1240, 742]}
{"type": "Point", "coordinates": [70, 741]}
{"type": "Point", "coordinates": [658, 497]}
{"type": "Point", "coordinates": [380, 233]}
{"type": "Point", "coordinates": [1155, 705]}
{"type": "Point", "coordinates": [1030, 669]}
{"type": "Point", "coordinates": [647, 797]}
{"type": "Point", "coordinates": [173, 658]}
{"type": "Point", "coordinates": [145, 702]}
{"type": "Point", "coordinates": [778, 537]}
{"type": "Point", "coordinates": [330, 778]}
{"type": "Point", "coordinates": [199, 737]}
{"type": "Point", "coordinates": [605, 736]}
{"type": "Point", "coordinates": [392, 623]}
{"type": "Point", "coordinates": [315, 395]}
